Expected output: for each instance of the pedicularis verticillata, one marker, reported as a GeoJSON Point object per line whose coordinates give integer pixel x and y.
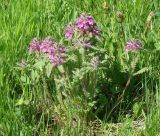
{"type": "Point", "coordinates": [73, 71]}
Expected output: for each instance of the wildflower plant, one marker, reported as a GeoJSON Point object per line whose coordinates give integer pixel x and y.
{"type": "Point", "coordinates": [44, 56]}
{"type": "Point", "coordinates": [83, 35]}
{"type": "Point", "coordinates": [72, 76]}
{"type": "Point", "coordinates": [71, 70]}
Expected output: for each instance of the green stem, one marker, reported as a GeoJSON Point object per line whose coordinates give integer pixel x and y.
{"type": "Point", "coordinates": [126, 86]}
{"type": "Point", "coordinates": [123, 32]}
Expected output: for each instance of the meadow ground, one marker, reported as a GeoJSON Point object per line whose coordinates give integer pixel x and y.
{"type": "Point", "coordinates": [119, 97]}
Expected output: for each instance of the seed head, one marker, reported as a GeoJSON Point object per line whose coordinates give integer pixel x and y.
{"type": "Point", "coordinates": [120, 16]}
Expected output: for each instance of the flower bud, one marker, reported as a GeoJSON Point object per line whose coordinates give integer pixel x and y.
{"type": "Point", "coordinates": [150, 16]}
{"type": "Point", "coordinates": [105, 6]}
{"type": "Point", "coordinates": [120, 16]}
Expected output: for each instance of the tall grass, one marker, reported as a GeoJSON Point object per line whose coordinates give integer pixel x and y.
{"type": "Point", "coordinates": [21, 20]}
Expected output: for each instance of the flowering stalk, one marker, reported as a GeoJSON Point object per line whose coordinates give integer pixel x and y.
{"type": "Point", "coordinates": [120, 19]}
{"type": "Point", "coordinates": [132, 46]}
{"type": "Point", "coordinates": [82, 33]}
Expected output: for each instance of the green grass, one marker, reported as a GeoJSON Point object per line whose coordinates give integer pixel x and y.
{"type": "Point", "coordinates": [21, 20]}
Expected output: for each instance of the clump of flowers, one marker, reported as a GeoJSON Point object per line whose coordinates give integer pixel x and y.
{"type": "Point", "coordinates": [133, 45]}
{"type": "Point", "coordinates": [83, 31]}
{"type": "Point", "coordinates": [48, 46]}
{"type": "Point", "coordinates": [86, 24]}
{"type": "Point", "coordinates": [56, 56]}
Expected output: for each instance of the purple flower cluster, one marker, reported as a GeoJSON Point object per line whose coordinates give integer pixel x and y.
{"type": "Point", "coordinates": [133, 45]}
{"type": "Point", "coordinates": [56, 56]}
{"type": "Point", "coordinates": [48, 46]}
{"type": "Point", "coordinates": [84, 24]}
{"type": "Point", "coordinates": [87, 24]}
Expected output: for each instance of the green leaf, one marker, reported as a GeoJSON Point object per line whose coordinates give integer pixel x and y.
{"type": "Point", "coordinates": [49, 68]}
{"type": "Point", "coordinates": [82, 51]}
{"type": "Point", "coordinates": [34, 75]}
{"type": "Point", "coordinates": [20, 102]}
{"type": "Point", "coordinates": [39, 65]}
{"type": "Point", "coordinates": [91, 104]}
{"type": "Point", "coordinates": [25, 79]}
{"type": "Point", "coordinates": [145, 69]}
{"type": "Point", "coordinates": [61, 69]}
{"type": "Point", "coordinates": [26, 102]}
{"type": "Point", "coordinates": [137, 109]}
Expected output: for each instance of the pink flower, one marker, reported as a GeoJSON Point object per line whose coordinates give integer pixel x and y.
{"type": "Point", "coordinates": [46, 45]}
{"type": "Point", "coordinates": [97, 31]}
{"type": "Point", "coordinates": [61, 49]}
{"type": "Point", "coordinates": [69, 31]}
{"type": "Point", "coordinates": [34, 45]}
{"type": "Point", "coordinates": [56, 58]}
{"type": "Point", "coordinates": [133, 45]}
{"type": "Point", "coordinates": [90, 20]}
{"type": "Point", "coordinates": [86, 24]}
{"type": "Point", "coordinates": [80, 23]}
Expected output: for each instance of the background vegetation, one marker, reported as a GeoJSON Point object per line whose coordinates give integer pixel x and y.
{"type": "Point", "coordinates": [25, 109]}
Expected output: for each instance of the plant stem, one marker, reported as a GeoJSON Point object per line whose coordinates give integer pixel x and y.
{"type": "Point", "coordinates": [126, 86]}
